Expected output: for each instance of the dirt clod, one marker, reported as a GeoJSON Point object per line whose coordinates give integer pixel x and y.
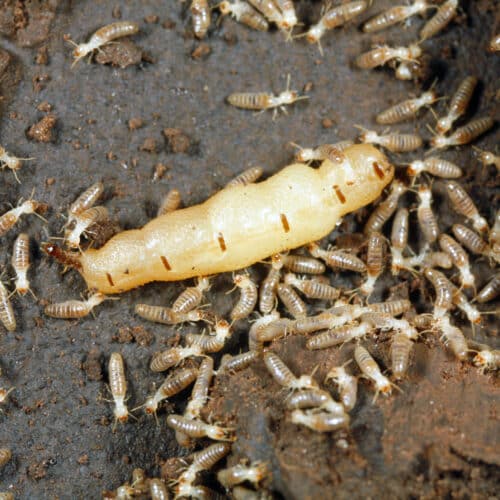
{"type": "Point", "coordinates": [202, 51]}
{"type": "Point", "coordinates": [177, 140]}
{"type": "Point", "coordinates": [149, 145]}
{"type": "Point", "coordinates": [42, 56]}
{"type": "Point", "coordinates": [92, 365]}
{"type": "Point", "coordinates": [37, 471]}
{"type": "Point", "coordinates": [43, 131]}
{"type": "Point", "coordinates": [123, 53]}
{"type": "Point", "coordinates": [135, 123]}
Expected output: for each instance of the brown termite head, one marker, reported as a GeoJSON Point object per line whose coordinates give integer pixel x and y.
{"type": "Point", "coordinates": [320, 422]}
{"type": "Point", "coordinates": [254, 473]}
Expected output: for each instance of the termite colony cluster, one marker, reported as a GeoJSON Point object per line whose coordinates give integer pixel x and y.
{"type": "Point", "coordinates": [276, 307]}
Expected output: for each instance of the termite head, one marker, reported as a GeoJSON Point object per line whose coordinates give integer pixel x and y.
{"type": "Point", "coordinates": [306, 382]}
{"type": "Point", "coordinates": [70, 259]}
{"type": "Point", "coordinates": [414, 51]}
{"type": "Point", "coordinates": [483, 359]}
{"type": "Point", "coordinates": [224, 8]}
{"type": "Point", "coordinates": [277, 261]}
{"type": "Point", "coordinates": [438, 142]}
{"type": "Point", "coordinates": [151, 406]}
{"type": "Point", "coordinates": [303, 155]}
{"type": "Point", "coordinates": [415, 167]}
{"type": "Point", "coordinates": [220, 433]}
{"type": "Point", "coordinates": [429, 97]}
{"type": "Point", "coordinates": [444, 124]}
{"type": "Point", "coordinates": [366, 135]}
{"type": "Point", "coordinates": [314, 34]}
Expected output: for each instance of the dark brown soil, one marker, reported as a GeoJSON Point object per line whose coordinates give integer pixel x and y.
{"type": "Point", "coordinates": [438, 438]}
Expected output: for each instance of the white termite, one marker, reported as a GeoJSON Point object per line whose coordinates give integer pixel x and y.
{"type": "Point", "coordinates": [320, 422]}
{"type": "Point", "coordinates": [406, 110]}
{"type": "Point", "coordinates": [11, 162]}
{"type": "Point", "coordinates": [347, 384]}
{"type": "Point", "coordinates": [118, 386]}
{"type": "Point", "coordinates": [21, 263]}
{"type": "Point", "coordinates": [284, 376]}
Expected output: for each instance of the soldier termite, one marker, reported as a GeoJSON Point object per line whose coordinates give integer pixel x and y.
{"type": "Point", "coordinates": [434, 166]}
{"type": "Point", "coordinates": [399, 239]}
{"type": "Point", "coordinates": [347, 384]}
{"type": "Point", "coordinates": [191, 297]}
{"type": "Point", "coordinates": [426, 218]}
{"type": "Point", "coordinates": [21, 263]}
{"type": "Point", "coordinates": [267, 293]}
{"type": "Point", "coordinates": [262, 100]}
{"type": "Point", "coordinates": [444, 15]}
{"type": "Point", "coordinates": [248, 296]}
{"type": "Point", "coordinates": [244, 14]}
{"type": "Point", "coordinates": [7, 316]}
{"type": "Point", "coordinates": [173, 384]}
{"type": "Point", "coordinates": [248, 176]}
{"type": "Point", "coordinates": [237, 474]}
{"type": "Point", "coordinates": [407, 109]}
{"type": "Point", "coordinates": [11, 162]}
{"type": "Point", "coordinates": [312, 289]}
{"type": "Point", "coordinates": [371, 370]}
{"type": "Point", "coordinates": [463, 135]}
{"type": "Point", "coordinates": [85, 201]}
{"type": "Point", "coordinates": [283, 375]}
{"type": "Point", "coordinates": [9, 219]}
{"type": "Point", "coordinates": [382, 55]}
{"type": "Point", "coordinates": [165, 315]}
{"type": "Point", "coordinates": [201, 14]}
{"type": "Point", "coordinates": [454, 339]}
{"type": "Point", "coordinates": [338, 259]}
{"type": "Point", "coordinates": [459, 257]}
{"type": "Point", "coordinates": [490, 291]}
{"type": "Point", "coordinates": [103, 36]}
{"type": "Point", "coordinates": [494, 45]}
{"type": "Point", "coordinates": [5, 456]}
{"type": "Point", "coordinates": [396, 143]}
{"type": "Point", "coordinates": [198, 429]}
{"type": "Point", "coordinates": [170, 202]}
{"type": "Point", "coordinates": [303, 265]}
{"type": "Point", "coordinates": [293, 303]}
{"type": "Point", "coordinates": [458, 104]}
{"type": "Point", "coordinates": [444, 292]}
{"type": "Point", "coordinates": [320, 422]}
{"type": "Point", "coordinates": [395, 15]}
{"type": "Point", "coordinates": [374, 262]}
{"type": "Point", "coordinates": [464, 205]}
{"type": "Point", "coordinates": [118, 386]}
{"type": "Point", "coordinates": [384, 210]}
{"type": "Point", "coordinates": [164, 360]}
{"type": "Point", "coordinates": [75, 308]}
{"type": "Point", "coordinates": [199, 394]}
{"type": "Point", "coordinates": [337, 336]}
{"type": "Point", "coordinates": [83, 221]}
{"type": "Point", "coordinates": [333, 18]}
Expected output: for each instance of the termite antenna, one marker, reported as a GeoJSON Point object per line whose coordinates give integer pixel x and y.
{"type": "Point", "coordinates": [70, 259]}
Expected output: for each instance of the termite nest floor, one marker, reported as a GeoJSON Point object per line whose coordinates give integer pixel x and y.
{"type": "Point", "coordinates": [437, 438]}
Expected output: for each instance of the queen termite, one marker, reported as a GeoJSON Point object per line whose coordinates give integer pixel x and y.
{"type": "Point", "coordinates": [406, 110]}
{"type": "Point", "coordinates": [379, 56]}
{"type": "Point", "coordinates": [435, 166]}
{"type": "Point", "coordinates": [394, 142]}
{"type": "Point", "coordinates": [103, 36]}
{"type": "Point", "coordinates": [284, 376]}
{"type": "Point", "coordinates": [396, 14]}
{"type": "Point", "coordinates": [260, 101]}
{"type": "Point", "coordinates": [170, 202]}
{"type": "Point", "coordinates": [248, 176]}
{"type": "Point", "coordinates": [245, 14]}
{"type": "Point", "coordinates": [248, 297]}
{"type": "Point", "coordinates": [201, 15]}
{"type": "Point", "coordinates": [463, 135]}
{"type": "Point", "coordinates": [444, 15]}
{"type": "Point", "coordinates": [347, 385]}
{"type": "Point", "coordinates": [72, 309]}
{"type": "Point", "coordinates": [464, 205]}
{"type": "Point", "coordinates": [11, 162]}
{"type": "Point", "coordinates": [198, 429]}
{"type": "Point", "coordinates": [267, 292]}
{"type": "Point", "coordinates": [253, 473]}
{"type": "Point", "coordinates": [311, 288]}
{"type": "Point", "coordinates": [320, 422]}
{"type": "Point", "coordinates": [458, 104]}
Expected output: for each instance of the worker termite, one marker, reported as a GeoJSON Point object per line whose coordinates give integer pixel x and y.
{"type": "Point", "coordinates": [390, 307]}
{"type": "Point", "coordinates": [211, 343]}
{"type": "Point", "coordinates": [463, 135]}
{"type": "Point", "coordinates": [312, 289]}
{"type": "Point", "coordinates": [5, 456]}
{"type": "Point", "coordinates": [83, 222]}
{"type": "Point", "coordinates": [75, 308]}
{"type": "Point", "coordinates": [267, 293]}
{"type": "Point", "coordinates": [201, 14]}
{"type": "Point", "coordinates": [453, 339]}
{"type": "Point", "coordinates": [170, 202]}
{"type": "Point", "coordinates": [9, 219]}
{"type": "Point", "coordinates": [268, 8]}
{"type": "Point", "coordinates": [173, 384]}
{"type": "Point", "coordinates": [494, 45]}
{"type": "Point", "coordinates": [384, 210]}
{"type": "Point", "coordinates": [7, 316]}
{"type": "Point", "coordinates": [487, 358]}
{"type": "Point", "coordinates": [293, 303]}
{"type": "Point", "coordinates": [314, 398]}
{"type": "Point", "coordinates": [248, 176]}
{"type": "Point", "coordinates": [157, 489]}
{"type": "Point", "coordinates": [337, 336]}
{"type": "Point", "coordinates": [165, 315]}
{"type": "Point", "coordinates": [458, 104]}
{"type": "Point", "coordinates": [262, 100]}
{"type": "Point", "coordinates": [407, 109]}
{"type": "Point", "coordinates": [303, 265]}
{"type": "Point", "coordinates": [338, 259]}
{"type": "Point", "coordinates": [244, 14]}
{"type": "Point", "coordinates": [289, 17]}
{"type": "Point", "coordinates": [333, 18]}
{"type": "Point", "coordinates": [191, 297]}
{"type": "Point", "coordinates": [494, 236]}
{"type": "Point", "coordinates": [323, 152]}
{"type": "Point", "coordinates": [198, 429]}
{"type": "Point", "coordinates": [248, 296]}
{"type": "Point", "coordinates": [399, 239]}
{"type": "Point", "coordinates": [395, 15]}
{"type": "Point", "coordinates": [490, 291]}
{"type": "Point", "coordinates": [371, 370]}
{"type": "Point", "coordinates": [21, 263]}
{"type": "Point", "coordinates": [382, 55]}
{"type": "Point", "coordinates": [464, 205]}
{"type": "Point", "coordinates": [444, 292]}
{"type": "Point", "coordinates": [199, 394]}
{"type": "Point", "coordinates": [11, 162]}
{"type": "Point", "coordinates": [374, 262]}
{"type": "Point", "coordinates": [103, 36]}
{"type": "Point", "coordinates": [237, 474]}
{"type": "Point", "coordinates": [254, 213]}
{"type": "Point", "coordinates": [118, 386]}
{"type": "Point", "coordinates": [253, 343]}
{"type": "Point", "coordinates": [396, 143]}
{"type": "Point", "coordinates": [237, 363]}
{"type": "Point", "coordinates": [85, 201]}
{"type": "Point", "coordinates": [488, 158]}
{"type": "Point", "coordinates": [283, 375]}
{"type": "Point", "coordinates": [320, 422]}
{"type": "Point", "coordinates": [434, 166]}
{"type": "Point", "coordinates": [400, 354]}
{"type": "Point", "coordinates": [426, 218]}
{"type": "Point", "coordinates": [444, 15]}
{"type": "Point", "coordinates": [348, 385]}
{"type": "Point", "coordinates": [471, 240]}
{"type": "Point", "coordinates": [164, 360]}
